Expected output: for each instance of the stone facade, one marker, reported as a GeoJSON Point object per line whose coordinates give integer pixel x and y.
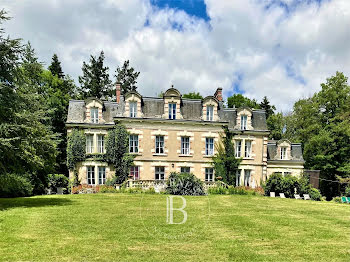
{"type": "Point", "coordinates": [175, 134]}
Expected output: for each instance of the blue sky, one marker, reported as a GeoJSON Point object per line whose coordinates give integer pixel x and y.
{"type": "Point", "coordinates": [282, 49]}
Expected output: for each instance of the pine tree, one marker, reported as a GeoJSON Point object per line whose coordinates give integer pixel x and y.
{"type": "Point", "coordinates": [55, 67]}
{"type": "Point", "coordinates": [265, 104]}
{"type": "Point", "coordinates": [95, 80]}
{"type": "Point", "coordinates": [127, 77]}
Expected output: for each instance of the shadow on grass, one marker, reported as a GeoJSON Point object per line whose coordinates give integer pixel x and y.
{"type": "Point", "coordinates": [7, 203]}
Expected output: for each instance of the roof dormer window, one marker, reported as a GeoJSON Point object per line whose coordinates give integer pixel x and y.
{"type": "Point", "coordinates": [210, 113]}
{"type": "Point", "coordinates": [133, 109]}
{"type": "Point", "coordinates": [94, 115]}
{"type": "Point", "coordinates": [172, 111]}
{"type": "Point", "coordinates": [244, 120]}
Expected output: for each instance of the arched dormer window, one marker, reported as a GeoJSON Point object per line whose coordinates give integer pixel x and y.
{"type": "Point", "coordinates": [210, 109]}
{"type": "Point", "coordinates": [172, 103]}
{"type": "Point", "coordinates": [244, 119]}
{"type": "Point", "coordinates": [94, 108]}
{"type": "Point", "coordinates": [133, 105]}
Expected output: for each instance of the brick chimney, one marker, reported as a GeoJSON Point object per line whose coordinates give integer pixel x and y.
{"type": "Point", "coordinates": [218, 94]}
{"type": "Point", "coordinates": [118, 90]}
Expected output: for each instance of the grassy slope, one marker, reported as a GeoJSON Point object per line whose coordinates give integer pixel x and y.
{"type": "Point", "coordinates": [125, 227]}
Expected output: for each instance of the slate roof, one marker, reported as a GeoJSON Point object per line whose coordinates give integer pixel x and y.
{"type": "Point", "coordinates": [153, 107]}
{"type": "Point", "coordinates": [296, 151]}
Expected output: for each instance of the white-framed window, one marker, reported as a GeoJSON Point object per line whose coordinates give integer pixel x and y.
{"type": "Point", "coordinates": [94, 115]}
{"type": "Point", "coordinates": [159, 144]}
{"type": "Point", "coordinates": [135, 172]}
{"type": "Point", "coordinates": [101, 143]}
{"type": "Point", "coordinates": [89, 144]}
{"type": "Point", "coordinates": [209, 146]}
{"type": "Point", "coordinates": [133, 109]}
{"type": "Point", "coordinates": [244, 120]}
{"type": "Point", "coordinates": [185, 145]}
{"type": "Point", "coordinates": [90, 175]}
{"type": "Point", "coordinates": [133, 143]}
{"type": "Point", "coordinates": [101, 175]}
{"type": "Point", "coordinates": [209, 174]}
{"type": "Point", "coordinates": [247, 148]}
{"type": "Point", "coordinates": [210, 113]}
{"type": "Point", "coordinates": [185, 169]}
{"type": "Point", "coordinates": [172, 111]}
{"type": "Point", "coordinates": [238, 177]}
{"type": "Point", "coordinates": [238, 148]}
{"type": "Point", "coordinates": [247, 177]}
{"type": "Point", "coordinates": [283, 153]}
{"type": "Point", "coordinates": [159, 173]}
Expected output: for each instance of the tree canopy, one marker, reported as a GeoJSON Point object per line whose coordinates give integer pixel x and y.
{"type": "Point", "coordinates": [55, 67]}
{"type": "Point", "coordinates": [127, 77]}
{"type": "Point", "coordinates": [238, 100]}
{"type": "Point", "coordinates": [95, 80]}
{"type": "Point", "coordinates": [192, 95]}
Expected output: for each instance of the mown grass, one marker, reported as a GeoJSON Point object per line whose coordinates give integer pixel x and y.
{"type": "Point", "coordinates": [132, 227]}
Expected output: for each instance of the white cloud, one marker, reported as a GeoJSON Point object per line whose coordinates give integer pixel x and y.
{"type": "Point", "coordinates": [268, 51]}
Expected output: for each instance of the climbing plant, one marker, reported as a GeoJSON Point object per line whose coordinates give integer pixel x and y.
{"type": "Point", "coordinates": [75, 148]}
{"type": "Point", "coordinates": [117, 152]}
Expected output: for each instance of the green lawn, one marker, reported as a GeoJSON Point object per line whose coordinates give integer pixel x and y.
{"type": "Point", "coordinates": [132, 227]}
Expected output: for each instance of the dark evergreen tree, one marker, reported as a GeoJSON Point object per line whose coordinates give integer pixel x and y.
{"type": "Point", "coordinates": [127, 77]}
{"type": "Point", "coordinates": [95, 80]}
{"type": "Point", "coordinates": [269, 109]}
{"type": "Point", "coordinates": [55, 67]}
{"type": "Point", "coordinates": [238, 100]}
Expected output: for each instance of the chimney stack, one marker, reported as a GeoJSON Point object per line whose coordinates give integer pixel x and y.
{"type": "Point", "coordinates": [118, 90]}
{"type": "Point", "coordinates": [218, 94]}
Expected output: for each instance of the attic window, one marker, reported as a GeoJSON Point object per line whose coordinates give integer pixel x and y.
{"type": "Point", "coordinates": [244, 119]}
{"type": "Point", "coordinates": [283, 153]}
{"type": "Point", "coordinates": [172, 111]}
{"type": "Point", "coordinates": [210, 113]}
{"type": "Point", "coordinates": [94, 115]}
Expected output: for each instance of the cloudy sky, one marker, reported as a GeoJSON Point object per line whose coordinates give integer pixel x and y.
{"type": "Point", "coordinates": [282, 49]}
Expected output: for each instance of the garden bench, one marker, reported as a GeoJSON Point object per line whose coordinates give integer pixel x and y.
{"type": "Point", "coordinates": [272, 194]}
{"type": "Point", "coordinates": [307, 197]}
{"type": "Point", "coordinates": [297, 196]}
{"type": "Point", "coordinates": [282, 195]}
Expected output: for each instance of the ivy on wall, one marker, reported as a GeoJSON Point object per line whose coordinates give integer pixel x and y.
{"type": "Point", "coordinates": [117, 152]}
{"type": "Point", "coordinates": [75, 148]}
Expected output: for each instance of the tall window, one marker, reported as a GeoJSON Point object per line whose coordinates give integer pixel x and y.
{"type": "Point", "coordinates": [101, 175]}
{"type": "Point", "coordinates": [209, 174]}
{"type": "Point", "coordinates": [133, 109]}
{"type": "Point", "coordinates": [159, 144]}
{"type": "Point", "coordinates": [90, 175]}
{"type": "Point", "coordinates": [247, 177]}
{"type": "Point", "coordinates": [133, 143]}
{"type": "Point", "coordinates": [159, 173]}
{"type": "Point", "coordinates": [89, 144]}
{"type": "Point", "coordinates": [172, 111]}
{"type": "Point", "coordinates": [244, 119]}
{"type": "Point", "coordinates": [94, 115]}
{"type": "Point", "coordinates": [238, 148]}
{"type": "Point", "coordinates": [135, 172]}
{"type": "Point", "coordinates": [210, 113]}
{"type": "Point", "coordinates": [185, 169]}
{"type": "Point", "coordinates": [185, 145]}
{"type": "Point", "coordinates": [209, 146]}
{"type": "Point", "coordinates": [247, 148]}
{"type": "Point", "coordinates": [283, 153]}
{"type": "Point", "coordinates": [101, 144]}
{"type": "Point", "coordinates": [238, 177]}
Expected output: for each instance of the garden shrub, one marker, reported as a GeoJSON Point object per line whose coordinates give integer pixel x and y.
{"type": "Point", "coordinates": [184, 184]}
{"type": "Point", "coordinates": [12, 185]}
{"type": "Point", "coordinates": [347, 191]}
{"type": "Point", "coordinates": [315, 194]}
{"type": "Point", "coordinates": [107, 189]}
{"type": "Point", "coordinates": [58, 180]}
{"type": "Point", "coordinates": [274, 184]}
{"type": "Point", "coordinates": [219, 190]}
